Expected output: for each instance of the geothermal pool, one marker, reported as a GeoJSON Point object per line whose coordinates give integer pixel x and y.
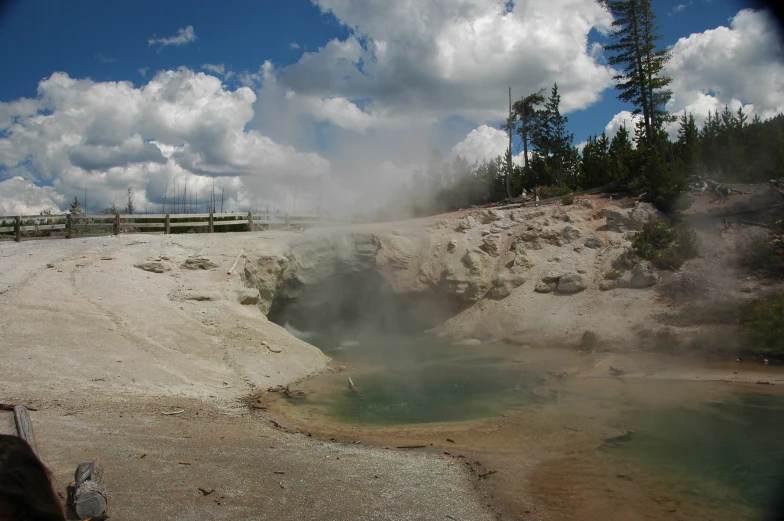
{"type": "Point", "coordinates": [712, 450]}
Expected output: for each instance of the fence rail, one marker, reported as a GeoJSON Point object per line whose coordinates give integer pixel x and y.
{"type": "Point", "coordinates": [72, 223]}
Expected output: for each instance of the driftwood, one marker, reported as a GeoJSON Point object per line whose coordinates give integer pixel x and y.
{"type": "Point", "coordinates": [235, 262]}
{"type": "Point", "coordinates": [24, 426]}
{"type": "Point", "coordinates": [10, 407]}
{"type": "Point", "coordinates": [89, 492]}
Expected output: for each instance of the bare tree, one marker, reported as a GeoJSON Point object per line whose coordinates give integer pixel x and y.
{"type": "Point", "coordinates": [131, 207]}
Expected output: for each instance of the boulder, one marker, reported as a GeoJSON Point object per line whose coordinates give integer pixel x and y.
{"type": "Point", "coordinates": [571, 283]}
{"type": "Point", "coordinates": [196, 263]}
{"type": "Point", "coordinates": [570, 234]}
{"type": "Point", "coordinates": [545, 287]}
{"type": "Point", "coordinates": [643, 275]}
{"type": "Point", "coordinates": [504, 284]}
{"type": "Point", "coordinates": [553, 276]}
{"type": "Point", "coordinates": [490, 244]}
{"type": "Point", "coordinates": [625, 261]}
{"type": "Point", "coordinates": [465, 224]}
{"type": "Point", "coordinates": [154, 267]}
{"type": "Point", "coordinates": [593, 243]}
{"type": "Point", "coordinates": [632, 219]}
{"type": "Point", "coordinates": [489, 216]}
{"type": "Point", "coordinates": [452, 246]}
{"type": "Point", "coordinates": [248, 296]}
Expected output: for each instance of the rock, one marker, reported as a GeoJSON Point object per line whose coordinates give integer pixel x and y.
{"type": "Point", "coordinates": [589, 340]}
{"type": "Point", "coordinates": [553, 276]}
{"type": "Point", "coordinates": [191, 294]}
{"type": "Point", "coordinates": [504, 284]}
{"type": "Point", "coordinates": [625, 261]}
{"type": "Point", "coordinates": [248, 296]}
{"type": "Point", "coordinates": [489, 216]}
{"type": "Point", "coordinates": [519, 216]}
{"type": "Point", "coordinates": [470, 342]}
{"type": "Point", "coordinates": [195, 263]}
{"type": "Point", "coordinates": [571, 283]}
{"type": "Point", "coordinates": [578, 249]}
{"type": "Point", "coordinates": [474, 261]}
{"type": "Point", "coordinates": [581, 271]}
{"type": "Point", "coordinates": [593, 243]}
{"type": "Point", "coordinates": [585, 203]}
{"type": "Point", "coordinates": [521, 262]}
{"type": "Point", "coordinates": [491, 246]}
{"type": "Point", "coordinates": [545, 287]}
{"type": "Point", "coordinates": [154, 266]}
{"type": "Point", "coordinates": [452, 246]}
{"type": "Point", "coordinates": [465, 224]}
{"type": "Point", "coordinates": [643, 275]}
{"type": "Point", "coordinates": [570, 234]}
{"type": "Point", "coordinates": [630, 236]}
{"type": "Point", "coordinates": [633, 219]}
{"type": "Point", "coordinates": [50, 265]}
{"type": "Point", "coordinates": [607, 285]}
{"type": "Point", "coordinates": [747, 289]}
{"type": "Point", "coordinates": [500, 226]}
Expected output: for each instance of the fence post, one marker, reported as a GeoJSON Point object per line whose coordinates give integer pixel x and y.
{"type": "Point", "coordinates": [250, 221]}
{"type": "Point", "coordinates": [167, 225]}
{"type": "Point", "coordinates": [18, 228]}
{"type": "Point", "coordinates": [68, 226]}
{"type": "Point", "coordinates": [117, 223]}
{"type": "Point", "coordinates": [212, 223]}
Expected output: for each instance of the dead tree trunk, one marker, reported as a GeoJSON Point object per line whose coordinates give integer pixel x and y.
{"type": "Point", "coordinates": [24, 426]}
{"type": "Point", "coordinates": [89, 494]}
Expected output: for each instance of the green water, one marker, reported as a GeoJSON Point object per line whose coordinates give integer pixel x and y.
{"type": "Point", "coordinates": [732, 449]}
{"type": "Point", "coordinates": [417, 379]}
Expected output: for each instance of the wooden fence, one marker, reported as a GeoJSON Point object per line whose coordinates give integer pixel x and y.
{"type": "Point", "coordinates": [130, 223]}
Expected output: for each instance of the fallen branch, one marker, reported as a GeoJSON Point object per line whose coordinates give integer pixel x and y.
{"type": "Point", "coordinates": [235, 262]}
{"type": "Point", "coordinates": [763, 225]}
{"type": "Point", "coordinates": [169, 413]}
{"type": "Point", "coordinates": [10, 407]}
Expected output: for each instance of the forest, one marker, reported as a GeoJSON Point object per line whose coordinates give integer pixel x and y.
{"type": "Point", "coordinates": [729, 146]}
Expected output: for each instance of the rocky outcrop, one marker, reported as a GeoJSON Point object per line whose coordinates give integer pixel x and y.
{"type": "Point", "coordinates": [490, 244]}
{"type": "Point", "coordinates": [570, 234]}
{"type": "Point", "coordinates": [465, 224]}
{"type": "Point", "coordinates": [571, 283]}
{"type": "Point", "coordinates": [489, 216]}
{"type": "Point", "coordinates": [504, 284]}
{"type": "Point", "coordinates": [593, 243]}
{"type": "Point", "coordinates": [248, 296]}
{"type": "Point", "coordinates": [631, 219]}
{"type": "Point", "coordinates": [196, 263]}
{"type": "Point", "coordinates": [154, 266]}
{"type": "Point", "coordinates": [643, 275]}
{"type": "Point", "coordinates": [545, 287]}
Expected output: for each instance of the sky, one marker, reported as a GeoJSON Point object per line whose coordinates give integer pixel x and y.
{"type": "Point", "coordinates": [279, 102]}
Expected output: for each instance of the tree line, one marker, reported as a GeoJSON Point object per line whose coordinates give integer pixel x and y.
{"type": "Point", "coordinates": [727, 147]}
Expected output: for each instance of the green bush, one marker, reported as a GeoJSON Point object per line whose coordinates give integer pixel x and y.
{"type": "Point", "coordinates": [664, 246]}
{"type": "Point", "coordinates": [763, 320]}
{"type": "Point", "coordinates": [567, 200]}
{"type": "Point", "coordinates": [546, 192]}
{"type": "Point", "coordinates": [613, 275]}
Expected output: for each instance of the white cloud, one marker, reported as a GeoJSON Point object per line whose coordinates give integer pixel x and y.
{"type": "Point", "coordinates": [181, 126]}
{"type": "Point", "coordinates": [446, 57]}
{"type": "Point", "coordinates": [623, 118]}
{"type": "Point", "coordinates": [484, 144]}
{"type": "Point", "coordinates": [294, 45]}
{"type": "Point", "coordinates": [105, 59]}
{"type": "Point", "coordinates": [218, 69]}
{"type": "Point", "coordinates": [20, 197]}
{"type": "Point", "coordinates": [184, 36]}
{"type": "Point", "coordinates": [143, 71]}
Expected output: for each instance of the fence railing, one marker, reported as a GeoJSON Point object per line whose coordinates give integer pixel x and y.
{"type": "Point", "coordinates": [119, 223]}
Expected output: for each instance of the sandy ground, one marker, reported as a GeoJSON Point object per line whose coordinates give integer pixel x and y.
{"type": "Point", "coordinates": [102, 348]}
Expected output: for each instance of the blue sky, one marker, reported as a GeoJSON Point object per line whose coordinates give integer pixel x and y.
{"type": "Point", "coordinates": [107, 41]}
{"type": "Point", "coordinates": [357, 90]}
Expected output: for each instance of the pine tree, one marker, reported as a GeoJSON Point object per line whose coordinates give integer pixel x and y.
{"type": "Point", "coordinates": [621, 156]}
{"type": "Point", "coordinates": [525, 113]}
{"type": "Point", "coordinates": [641, 81]}
{"type": "Point", "coordinates": [75, 208]}
{"type": "Point", "coordinates": [553, 143]}
{"type": "Point", "coordinates": [688, 147]}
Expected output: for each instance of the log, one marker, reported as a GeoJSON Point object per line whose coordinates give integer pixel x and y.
{"type": "Point", "coordinates": [89, 496]}
{"type": "Point", "coordinates": [24, 426]}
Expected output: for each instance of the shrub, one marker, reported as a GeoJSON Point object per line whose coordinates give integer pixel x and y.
{"type": "Point", "coordinates": [664, 246]}
{"type": "Point", "coordinates": [765, 254]}
{"type": "Point", "coordinates": [763, 320]}
{"type": "Point", "coordinates": [546, 192]}
{"type": "Point", "coordinates": [567, 200]}
{"type": "Point", "coordinates": [613, 275]}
